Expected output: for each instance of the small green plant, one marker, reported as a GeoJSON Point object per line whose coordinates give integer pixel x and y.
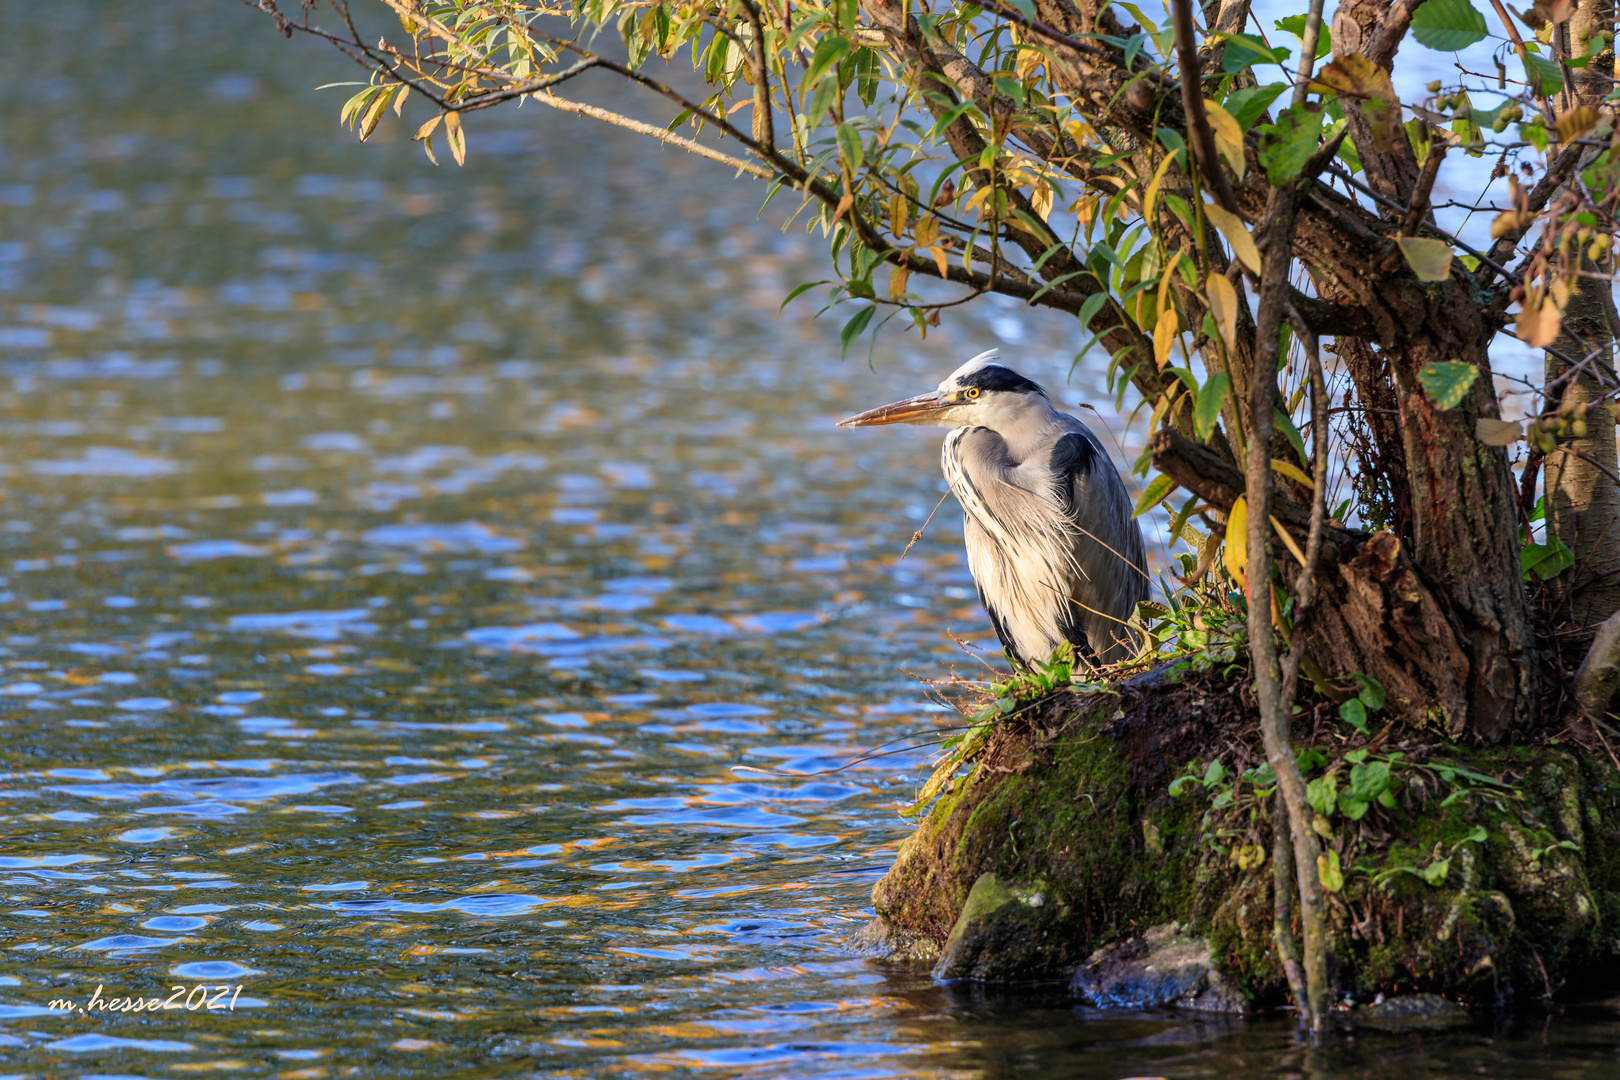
{"type": "Point", "coordinates": [1369, 699]}
{"type": "Point", "coordinates": [1029, 684]}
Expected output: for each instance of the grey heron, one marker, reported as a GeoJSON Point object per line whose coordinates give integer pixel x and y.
{"type": "Point", "coordinates": [1050, 538]}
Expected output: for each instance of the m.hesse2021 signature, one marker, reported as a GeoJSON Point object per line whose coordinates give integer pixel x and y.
{"type": "Point", "coordinates": [199, 997]}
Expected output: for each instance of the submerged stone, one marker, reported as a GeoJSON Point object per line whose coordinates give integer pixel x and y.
{"type": "Point", "coordinates": [1166, 967]}
{"type": "Point", "coordinates": [1010, 933]}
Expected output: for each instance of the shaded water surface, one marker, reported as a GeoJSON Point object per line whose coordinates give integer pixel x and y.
{"type": "Point", "coordinates": [454, 632]}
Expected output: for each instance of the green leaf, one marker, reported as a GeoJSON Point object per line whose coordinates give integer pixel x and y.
{"type": "Point", "coordinates": [1089, 309]}
{"type": "Point", "coordinates": [1285, 424]}
{"type": "Point", "coordinates": [1243, 50]}
{"type": "Point", "coordinates": [1429, 259]}
{"type": "Point", "coordinates": [854, 151]}
{"type": "Point", "coordinates": [1369, 780]}
{"type": "Point", "coordinates": [1447, 381]}
{"type": "Point", "coordinates": [1448, 25]}
{"type": "Point", "coordinates": [1354, 713]}
{"type": "Point", "coordinates": [1248, 105]}
{"type": "Point", "coordinates": [852, 330]}
{"type": "Point", "coordinates": [1323, 794]}
{"type": "Point", "coordinates": [1351, 807]}
{"type": "Point", "coordinates": [1372, 693]}
{"type": "Point", "coordinates": [1310, 760]}
{"type": "Point", "coordinates": [1543, 75]}
{"type": "Point", "coordinates": [1295, 24]}
{"type": "Point", "coordinates": [1435, 872]}
{"type": "Point", "coordinates": [1211, 396]}
{"type": "Point", "coordinates": [1286, 145]}
{"type": "Point", "coordinates": [1158, 489]}
{"type": "Point", "coordinates": [798, 290]}
{"type": "Point", "coordinates": [1535, 134]}
{"type": "Point", "coordinates": [829, 50]}
{"type": "Point", "coordinates": [1542, 562]}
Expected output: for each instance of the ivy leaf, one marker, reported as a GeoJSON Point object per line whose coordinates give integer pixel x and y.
{"type": "Point", "coordinates": [1542, 562]}
{"type": "Point", "coordinates": [1448, 25]}
{"type": "Point", "coordinates": [1211, 396]}
{"type": "Point", "coordinates": [1286, 145]}
{"type": "Point", "coordinates": [1429, 259]}
{"type": "Point", "coordinates": [1447, 381]}
{"type": "Point", "coordinates": [1329, 872]}
{"type": "Point", "coordinates": [1354, 713]}
{"type": "Point", "coordinates": [1323, 794]}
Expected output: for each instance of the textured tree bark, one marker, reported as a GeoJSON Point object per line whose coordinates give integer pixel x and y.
{"type": "Point", "coordinates": [1374, 612]}
{"type": "Point", "coordinates": [1583, 501]}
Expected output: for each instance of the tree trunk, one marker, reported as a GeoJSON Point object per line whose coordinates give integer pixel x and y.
{"type": "Point", "coordinates": [1583, 501]}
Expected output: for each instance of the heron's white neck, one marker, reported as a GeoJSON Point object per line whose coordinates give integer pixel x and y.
{"type": "Point", "coordinates": [1025, 423]}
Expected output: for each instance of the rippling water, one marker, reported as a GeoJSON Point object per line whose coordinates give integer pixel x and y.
{"type": "Point", "coordinates": [459, 630]}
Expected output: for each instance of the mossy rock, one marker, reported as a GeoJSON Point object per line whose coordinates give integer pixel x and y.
{"type": "Point", "coordinates": [1075, 796]}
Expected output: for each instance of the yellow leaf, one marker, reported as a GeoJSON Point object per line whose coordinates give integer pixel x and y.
{"type": "Point", "coordinates": [1164, 335]}
{"type": "Point", "coordinates": [843, 207]}
{"type": "Point", "coordinates": [1236, 234]}
{"type": "Point", "coordinates": [1538, 323]}
{"type": "Point", "coordinates": [1357, 78]}
{"type": "Point", "coordinates": [939, 257]}
{"type": "Point", "coordinates": [457, 138]}
{"type": "Point", "coordinates": [1223, 304]}
{"type": "Point", "coordinates": [1249, 856]}
{"type": "Point", "coordinates": [1237, 540]}
{"type": "Point", "coordinates": [927, 230]}
{"type": "Point", "coordinates": [1292, 471]}
{"type": "Point", "coordinates": [399, 101]}
{"type": "Point", "coordinates": [1152, 195]}
{"type": "Point", "coordinates": [1228, 136]}
{"type": "Point", "coordinates": [1288, 540]}
{"type": "Point", "coordinates": [1328, 871]}
{"type": "Point", "coordinates": [373, 115]}
{"type": "Point", "coordinates": [1497, 432]}
{"type": "Point", "coordinates": [1509, 221]}
{"type": "Point", "coordinates": [1429, 259]}
{"type": "Point", "coordinates": [1040, 198]}
{"type": "Point", "coordinates": [897, 280]}
{"type": "Point", "coordinates": [1573, 123]}
{"type": "Point", "coordinates": [426, 129]}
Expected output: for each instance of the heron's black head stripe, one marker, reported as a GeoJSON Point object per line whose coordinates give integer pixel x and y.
{"type": "Point", "coordinates": [996, 377]}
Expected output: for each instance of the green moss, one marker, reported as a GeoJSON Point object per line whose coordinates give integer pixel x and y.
{"type": "Point", "coordinates": [1069, 802]}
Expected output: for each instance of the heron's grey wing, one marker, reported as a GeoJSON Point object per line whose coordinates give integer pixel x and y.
{"type": "Point", "coordinates": [1019, 541]}
{"type": "Point", "coordinates": [1109, 557]}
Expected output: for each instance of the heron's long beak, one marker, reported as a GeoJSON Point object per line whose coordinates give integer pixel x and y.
{"type": "Point", "coordinates": [922, 409]}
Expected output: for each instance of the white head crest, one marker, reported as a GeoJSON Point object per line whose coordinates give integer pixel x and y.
{"type": "Point", "coordinates": [989, 356]}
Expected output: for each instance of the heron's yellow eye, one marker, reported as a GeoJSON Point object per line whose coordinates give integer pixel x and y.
{"type": "Point", "coordinates": [971, 392]}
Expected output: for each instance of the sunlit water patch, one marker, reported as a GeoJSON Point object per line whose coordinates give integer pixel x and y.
{"type": "Point", "coordinates": [462, 634]}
